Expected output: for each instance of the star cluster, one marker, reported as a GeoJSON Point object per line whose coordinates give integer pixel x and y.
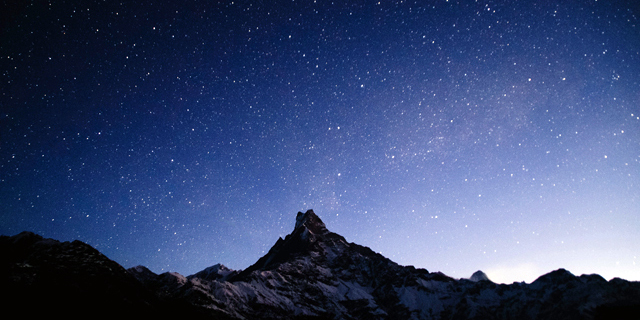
{"type": "Point", "coordinates": [449, 135]}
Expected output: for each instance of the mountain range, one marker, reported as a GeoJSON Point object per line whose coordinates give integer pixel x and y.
{"type": "Point", "coordinates": [312, 273]}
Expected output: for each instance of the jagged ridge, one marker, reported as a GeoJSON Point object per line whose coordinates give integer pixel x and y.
{"type": "Point", "coordinates": [314, 272]}
{"type": "Point", "coordinates": [307, 236]}
{"type": "Point", "coordinates": [311, 273]}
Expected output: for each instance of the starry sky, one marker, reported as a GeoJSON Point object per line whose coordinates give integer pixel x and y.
{"type": "Point", "coordinates": [449, 135]}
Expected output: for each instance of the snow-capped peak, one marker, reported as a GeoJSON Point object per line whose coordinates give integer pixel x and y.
{"type": "Point", "coordinates": [479, 276]}
{"type": "Point", "coordinates": [215, 272]}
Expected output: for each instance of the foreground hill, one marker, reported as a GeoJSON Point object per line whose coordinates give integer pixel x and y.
{"type": "Point", "coordinates": [310, 274]}
{"type": "Point", "coordinates": [45, 278]}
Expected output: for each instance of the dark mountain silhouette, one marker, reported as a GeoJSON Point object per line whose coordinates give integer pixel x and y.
{"type": "Point", "coordinates": [310, 274]}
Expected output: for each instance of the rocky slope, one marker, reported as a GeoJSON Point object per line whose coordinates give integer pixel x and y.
{"type": "Point", "coordinates": [316, 273]}
{"type": "Point", "coordinates": [310, 274]}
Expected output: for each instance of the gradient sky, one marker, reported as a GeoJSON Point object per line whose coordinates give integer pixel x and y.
{"type": "Point", "coordinates": [449, 135]}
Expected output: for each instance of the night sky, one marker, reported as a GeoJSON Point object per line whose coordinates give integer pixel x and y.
{"type": "Point", "coordinates": [449, 135]}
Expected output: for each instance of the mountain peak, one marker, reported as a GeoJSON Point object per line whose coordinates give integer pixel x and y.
{"type": "Point", "coordinates": [479, 276]}
{"type": "Point", "coordinates": [215, 272]}
{"type": "Point", "coordinates": [311, 222]}
{"type": "Point", "coordinates": [557, 276]}
{"type": "Point", "coordinates": [308, 234]}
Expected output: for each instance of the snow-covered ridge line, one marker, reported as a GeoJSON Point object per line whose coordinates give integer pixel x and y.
{"type": "Point", "coordinates": [311, 273]}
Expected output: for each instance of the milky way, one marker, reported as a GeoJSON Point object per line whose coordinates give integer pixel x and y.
{"type": "Point", "coordinates": [453, 136]}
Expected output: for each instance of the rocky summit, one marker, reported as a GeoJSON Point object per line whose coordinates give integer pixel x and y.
{"type": "Point", "coordinates": [310, 274]}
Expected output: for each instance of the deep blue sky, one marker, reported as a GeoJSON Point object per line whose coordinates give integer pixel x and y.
{"type": "Point", "coordinates": [449, 135]}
